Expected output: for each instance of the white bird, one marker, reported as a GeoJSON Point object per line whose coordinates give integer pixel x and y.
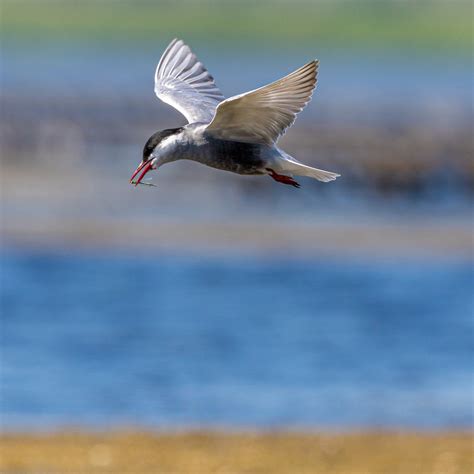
{"type": "Point", "coordinates": [238, 134]}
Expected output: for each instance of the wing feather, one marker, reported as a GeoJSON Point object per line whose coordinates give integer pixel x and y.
{"type": "Point", "coordinates": [263, 115]}
{"type": "Point", "coordinates": [184, 83]}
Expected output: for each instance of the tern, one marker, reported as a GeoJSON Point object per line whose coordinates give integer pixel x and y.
{"type": "Point", "coordinates": [238, 134]}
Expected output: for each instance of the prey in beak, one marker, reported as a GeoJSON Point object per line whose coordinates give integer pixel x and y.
{"type": "Point", "coordinates": [144, 167]}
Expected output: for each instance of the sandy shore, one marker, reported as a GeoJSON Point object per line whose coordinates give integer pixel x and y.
{"type": "Point", "coordinates": [200, 452]}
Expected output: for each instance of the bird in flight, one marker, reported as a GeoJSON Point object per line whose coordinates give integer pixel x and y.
{"type": "Point", "coordinates": [238, 134]}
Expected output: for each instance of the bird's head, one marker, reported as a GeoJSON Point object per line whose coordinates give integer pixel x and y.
{"type": "Point", "coordinates": [151, 154]}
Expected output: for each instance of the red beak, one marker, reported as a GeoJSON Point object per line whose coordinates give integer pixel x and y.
{"type": "Point", "coordinates": [145, 166]}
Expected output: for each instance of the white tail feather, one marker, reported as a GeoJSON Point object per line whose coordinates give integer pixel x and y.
{"type": "Point", "coordinates": [320, 175]}
{"type": "Point", "coordinates": [299, 169]}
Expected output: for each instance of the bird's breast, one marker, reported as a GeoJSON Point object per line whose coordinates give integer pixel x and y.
{"type": "Point", "coordinates": [237, 157]}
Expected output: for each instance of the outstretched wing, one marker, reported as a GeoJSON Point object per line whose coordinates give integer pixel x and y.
{"type": "Point", "coordinates": [184, 83]}
{"type": "Point", "coordinates": [263, 115]}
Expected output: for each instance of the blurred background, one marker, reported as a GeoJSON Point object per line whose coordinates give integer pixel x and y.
{"type": "Point", "coordinates": [221, 301]}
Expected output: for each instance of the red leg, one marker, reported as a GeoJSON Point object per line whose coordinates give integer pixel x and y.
{"type": "Point", "coordinates": [281, 178]}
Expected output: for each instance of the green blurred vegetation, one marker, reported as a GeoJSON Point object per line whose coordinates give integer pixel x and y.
{"type": "Point", "coordinates": [398, 25]}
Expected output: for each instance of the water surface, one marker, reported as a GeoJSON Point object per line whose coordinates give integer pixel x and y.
{"type": "Point", "coordinates": [106, 340]}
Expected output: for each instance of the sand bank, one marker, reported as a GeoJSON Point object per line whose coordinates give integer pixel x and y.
{"type": "Point", "coordinates": [206, 452]}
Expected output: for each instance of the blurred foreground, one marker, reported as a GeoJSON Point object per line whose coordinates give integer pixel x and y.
{"type": "Point", "coordinates": [275, 453]}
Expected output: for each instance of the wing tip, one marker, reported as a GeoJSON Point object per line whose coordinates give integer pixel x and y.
{"type": "Point", "coordinates": [314, 63]}
{"type": "Point", "coordinates": [174, 41]}
{"type": "Point", "coordinates": [313, 66]}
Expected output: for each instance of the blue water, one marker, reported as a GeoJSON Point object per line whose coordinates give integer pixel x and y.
{"type": "Point", "coordinates": [161, 341]}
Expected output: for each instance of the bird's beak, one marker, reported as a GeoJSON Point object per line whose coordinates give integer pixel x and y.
{"type": "Point", "coordinates": [144, 167]}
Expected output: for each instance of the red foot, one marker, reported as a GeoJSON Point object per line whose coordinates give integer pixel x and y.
{"type": "Point", "coordinates": [281, 178]}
